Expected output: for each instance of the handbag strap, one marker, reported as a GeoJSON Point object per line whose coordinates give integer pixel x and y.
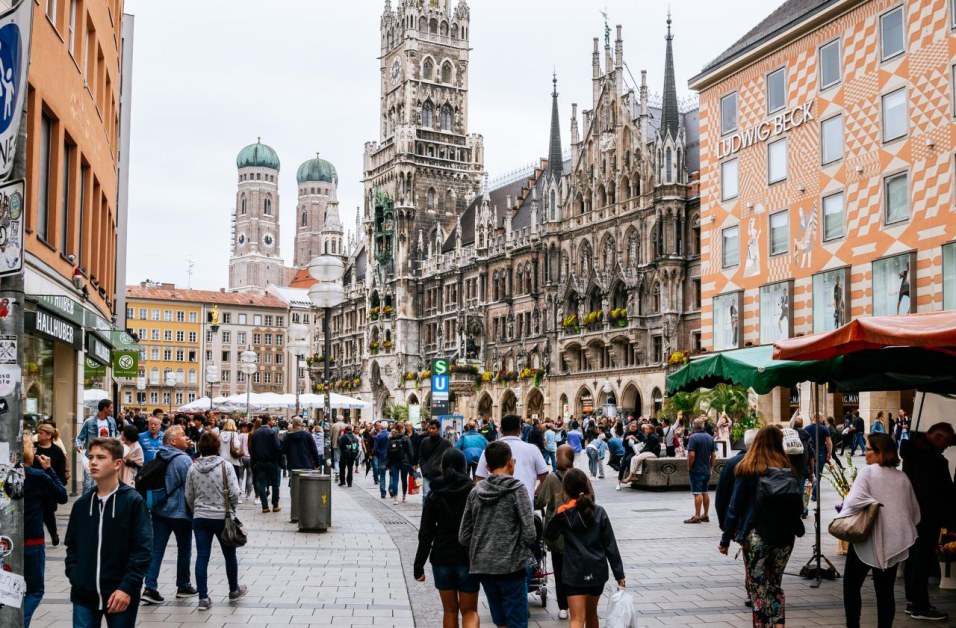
{"type": "Point", "coordinates": [225, 490]}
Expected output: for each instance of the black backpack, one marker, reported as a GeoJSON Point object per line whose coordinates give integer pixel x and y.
{"type": "Point", "coordinates": [394, 451]}
{"type": "Point", "coordinates": [778, 505]}
{"type": "Point", "coordinates": [351, 448]}
{"type": "Point", "coordinates": [151, 482]}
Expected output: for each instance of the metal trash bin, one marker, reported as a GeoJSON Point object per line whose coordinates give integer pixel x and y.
{"type": "Point", "coordinates": [315, 502]}
{"type": "Point", "coordinates": [294, 493]}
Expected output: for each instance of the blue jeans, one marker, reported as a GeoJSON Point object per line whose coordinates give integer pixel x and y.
{"type": "Point", "coordinates": [375, 469]}
{"type": "Point", "coordinates": [393, 472]}
{"type": "Point", "coordinates": [821, 465]}
{"type": "Point", "coordinates": [380, 471]}
{"type": "Point", "coordinates": [595, 463]}
{"type": "Point", "coordinates": [162, 528]}
{"type": "Point", "coordinates": [507, 600]}
{"type": "Point", "coordinates": [34, 570]}
{"type": "Point", "coordinates": [205, 530]}
{"type": "Point", "coordinates": [268, 476]}
{"type": "Point", "coordinates": [549, 458]}
{"type": "Point", "coordinates": [85, 617]}
{"type": "Point", "coordinates": [858, 440]}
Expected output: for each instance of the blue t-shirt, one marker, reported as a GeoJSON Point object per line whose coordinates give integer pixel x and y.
{"type": "Point", "coordinates": [824, 435]}
{"type": "Point", "coordinates": [702, 444]}
{"type": "Point", "coordinates": [150, 446]}
{"type": "Point", "coordinates": [550, 441]}
{"type": "Point", "coordinates": [616, 446]}
{"type": "Point", "coordinates": [576, 440]}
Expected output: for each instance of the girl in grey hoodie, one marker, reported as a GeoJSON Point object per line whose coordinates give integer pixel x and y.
{"type": "Point", "coordinates": [204, 496]}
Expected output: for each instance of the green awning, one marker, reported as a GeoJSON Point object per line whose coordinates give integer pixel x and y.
{"type": "Point", "coordinates": [892, 368]}
{"type": "Point", "coordinates": [751, 368]}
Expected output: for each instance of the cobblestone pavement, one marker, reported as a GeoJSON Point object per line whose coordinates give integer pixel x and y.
{"type": "Point", "coordinates": [359, 573]}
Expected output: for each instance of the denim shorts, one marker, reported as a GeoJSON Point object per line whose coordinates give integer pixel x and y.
{"type": "Point", "coordinates": [699, 483]}
{"type": "Point", "coordinates": [455, 578]}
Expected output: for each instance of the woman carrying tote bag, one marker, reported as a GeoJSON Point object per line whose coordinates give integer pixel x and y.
{"type": "Point", "coordinates": [205, 490]}
{"type": "Point", "coordinates": [892, 533]}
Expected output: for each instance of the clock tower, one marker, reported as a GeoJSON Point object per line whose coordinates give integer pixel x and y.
{"type": "Point", "coordinates": [254, 262]}
{"type": "Point", "coordinates": [426, 166]}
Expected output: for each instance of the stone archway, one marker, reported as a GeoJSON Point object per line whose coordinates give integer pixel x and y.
{"type": "Point", "coordinates": [658, 398]}
{"type": "Point", "coordinates": [562, 404]}
{"type": "Point", "coordinates": [534, 403]}
{"type": "Point", "coordinates": [584, 401]}
{"type": "Point", "coordinates": [485, 404]}
{"type": "Point", "coordinates": [631, 401]}
{"type": "Point", "coordinates": [508, 403]}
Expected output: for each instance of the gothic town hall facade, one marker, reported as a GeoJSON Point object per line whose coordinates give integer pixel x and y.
{"type": "Point", "coordinates": [554, 292]}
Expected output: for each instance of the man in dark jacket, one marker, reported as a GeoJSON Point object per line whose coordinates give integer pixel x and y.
{"type": "Point", "coordinates": [265, 456]}
{"type": "Point", "coordinates": [430, 450]}
{"type": "Point", "coordinates": [108, 543]}
{"type": "Point", "coordinates": [928, 471]}
{"type": "Point", "coordinates": [348, 455]}
{"type": "Point", "coordinates": [380, 449]}
{"type": "Point", "coordinates": [299, 447]}
{"type": "Point", "coordinates": [42, 490]}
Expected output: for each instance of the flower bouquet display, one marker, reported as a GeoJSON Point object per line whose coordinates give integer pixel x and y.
{"type": "Point", "coordinates": [946, 551]}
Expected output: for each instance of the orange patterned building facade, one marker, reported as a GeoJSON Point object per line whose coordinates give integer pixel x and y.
{"type": "Point", "coordinates": [827, 144]}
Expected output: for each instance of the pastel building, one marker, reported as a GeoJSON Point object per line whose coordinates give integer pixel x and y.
{"type": "Point", "coordinates": [827, 165]}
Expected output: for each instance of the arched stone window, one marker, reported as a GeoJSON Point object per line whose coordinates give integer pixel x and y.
{"type": "Point", "coordinates": [668, 166]}
{"type": "Point", "coordinates": [267, 206]}
{"type": "Point", "coordinates": [305, 218]}
{"type": "Point", "coordinates": [427, 114]}
{"type": "Point", "coordinates": [431, 198]}
{"type": "Point", "coordinates": [446, 72]}
{"type": "Point", "coordinates": [656, 298]}
{"type": "Point", "coordinates": [427, 69]}
{"type": "Point", "coordinates": [554, 205]}
{"type": "Point", "coordinates": [446, 117]}
{"type": "Point", "coordinates": [242, 205]}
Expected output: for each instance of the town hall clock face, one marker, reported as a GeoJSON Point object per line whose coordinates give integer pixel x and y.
{"type": "Point", "coordinates": [242, 239]}
{"type": "Point", "coordinates": [396, 72]}
{"type": "Point", "coordinates": [268, 240]}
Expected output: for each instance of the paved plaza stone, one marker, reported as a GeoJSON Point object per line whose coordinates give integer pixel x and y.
{"type": "Point", "coordinates": [359, 573]}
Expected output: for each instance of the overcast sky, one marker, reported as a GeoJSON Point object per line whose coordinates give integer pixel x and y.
{"type": "Point", "coordinates": [211, 76]}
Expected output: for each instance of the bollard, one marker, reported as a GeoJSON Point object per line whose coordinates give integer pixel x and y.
{"type": "Point", "coordinates": [315, 502]}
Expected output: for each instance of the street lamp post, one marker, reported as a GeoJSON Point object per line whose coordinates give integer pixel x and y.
{"type": "Point", "coordinates": [247, 365]}
{"type": "Point", "coordinates": [298, 345]}
{"type": "Point", "coordinates": [327, 293]}
{"type": "Point", "coordinates": [212, 377]}
{"type": "Point", "coordinates": [171, 383]}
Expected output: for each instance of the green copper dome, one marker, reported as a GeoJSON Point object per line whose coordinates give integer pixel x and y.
{"type": "Point", "coordinates": [317, 170]}
{"type": "Point", "coordinates": [257, 155]}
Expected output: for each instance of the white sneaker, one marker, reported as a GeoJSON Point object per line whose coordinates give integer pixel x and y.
{"type": "Point", "coordinates": [396, 501]}
{"type": "Point", "coordinates": [617, 488]}
{"type": "Point", "coordinates": [562, 614]}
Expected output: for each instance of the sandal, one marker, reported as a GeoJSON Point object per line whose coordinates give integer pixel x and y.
{"type": "Point", "coordinates": [693, 520]}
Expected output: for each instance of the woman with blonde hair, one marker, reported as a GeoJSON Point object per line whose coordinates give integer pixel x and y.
{"type": "Point", "coordinates": [230, 446]}
{"type": "Point", "coordinates": [764, 517]}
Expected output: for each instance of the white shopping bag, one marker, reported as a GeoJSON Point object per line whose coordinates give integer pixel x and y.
{"type": "Point", "coordinates": [620, 611]}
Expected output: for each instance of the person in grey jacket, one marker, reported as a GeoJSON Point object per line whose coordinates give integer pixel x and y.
{"type": "Point", "coordinates": [497, 528]}
{"type": "Point", "coordinates": [210, 482]}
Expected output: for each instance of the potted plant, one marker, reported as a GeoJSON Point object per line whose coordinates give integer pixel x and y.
{"type": "Point", "coordinates": [570, 323]}
{"type": "Point", "coordinates": [387, 311]}
{"type": "Point", "coordinates": [373, 313]}
{"type": "Point", "coordinates": [387, 345]}
{"type": "Point", "coordinates": [373, 347]}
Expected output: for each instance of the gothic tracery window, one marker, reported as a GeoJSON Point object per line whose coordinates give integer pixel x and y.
{"type": "Point", "coordinates": [427, 69]}
{"type": "Point", "coordinates": [427, 114]}
{"type": "Point", "coordinates": [446, 117]}
{"type": "Point", "coordinates": [446, 73]}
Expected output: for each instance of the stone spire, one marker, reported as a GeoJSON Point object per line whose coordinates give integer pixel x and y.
{"type": "Point", "coordinates": [555, 165]}
{"type": "Point", "coordinates": [669, 115]}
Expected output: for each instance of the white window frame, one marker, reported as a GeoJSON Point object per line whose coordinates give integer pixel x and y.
{"type": "Point", "coordinates": [736, 98]}
{"type": "Point", "coordinates": [783, 105]}
{"type": "Point", "coordinates": [824, 124]}
{"type": "Point", "coordinates": [886, 198]}
{"type": "Point", "coordinates": [883, 125]}
{"type": "Point", "coordinates": [723, 195]}
{"type": "Point", "coordinates": [723, 246]}
{"type": "Point", "coordinates": [839, 47]}
{"type": "Point", "coordinates": [770, 229]}
{"type": "Point", "coordinates": [786, 160]}
{"type": "Point", "coordinates": [823, 216]}
{"type": "Point", "coordinates": [883, 56]}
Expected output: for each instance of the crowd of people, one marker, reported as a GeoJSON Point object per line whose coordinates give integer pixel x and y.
{"type": "Point", "coordinates": [149, 478]}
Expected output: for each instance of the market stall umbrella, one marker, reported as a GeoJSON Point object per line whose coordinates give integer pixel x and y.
{"type": "Point", "coordinates": [753, 367]}
{"type": "Point", "coordinates": [92, 396]}
{"type": "Point", "coordinates": [347, 403]}
{"type": "Point", "coordinates": [935, 331]}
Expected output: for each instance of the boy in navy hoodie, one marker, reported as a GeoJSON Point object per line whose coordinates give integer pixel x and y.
{"type": "Point", "coordinates": [108, 544]}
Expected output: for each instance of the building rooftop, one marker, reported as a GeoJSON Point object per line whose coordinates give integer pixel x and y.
{"type": "Point", "coordinates": [783, 17]}
{"type": "Point", "coordinates": [168, 292]}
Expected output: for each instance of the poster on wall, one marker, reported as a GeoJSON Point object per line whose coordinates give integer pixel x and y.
{"type": "Point", "coordinates": [894, 290]}
{"type": "Point", "coordinates": [831, 299]}
{"type": "Point", "coordinates": [776, 323]}
{"type": "Point", "coordinates": [727, 315]}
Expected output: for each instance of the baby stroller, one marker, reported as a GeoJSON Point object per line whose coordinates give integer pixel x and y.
{"type": "Point", "coordinates": [538, 574]}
